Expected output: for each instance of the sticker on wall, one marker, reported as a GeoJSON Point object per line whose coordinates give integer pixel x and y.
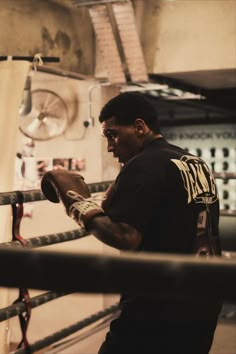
{"type": "Point", "coordinates": [43, 165]}
{"type": "Point", "coordinates": [72, 164]}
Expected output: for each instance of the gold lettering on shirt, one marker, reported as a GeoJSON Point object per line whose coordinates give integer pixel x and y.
{"type": "Point", "coordinates": [198, 179]}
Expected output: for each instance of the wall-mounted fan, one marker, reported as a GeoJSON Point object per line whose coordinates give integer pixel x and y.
{"type": "Point", "coordinates": [48, 117]}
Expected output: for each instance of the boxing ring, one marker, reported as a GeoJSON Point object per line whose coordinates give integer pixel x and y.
{"type": "Point", "coordinates": [47, 270]}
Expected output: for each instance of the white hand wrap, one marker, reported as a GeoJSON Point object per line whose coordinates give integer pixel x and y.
{"type": "Point", "coordinates": [82, 207]}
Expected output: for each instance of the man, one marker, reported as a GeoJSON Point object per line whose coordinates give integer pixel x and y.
{"type": "Point", "coordinates": [163, 200]}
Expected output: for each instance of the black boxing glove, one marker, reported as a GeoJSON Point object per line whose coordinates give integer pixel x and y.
{"type": "Point", "coordinates": [69, 188]}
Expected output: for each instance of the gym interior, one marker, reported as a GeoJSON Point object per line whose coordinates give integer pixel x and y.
{"type": "Point", "coordinates": [60, 61]}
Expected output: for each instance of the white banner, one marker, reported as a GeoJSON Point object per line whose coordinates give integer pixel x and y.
{"type": "Point", "coordinates": [13, 76]}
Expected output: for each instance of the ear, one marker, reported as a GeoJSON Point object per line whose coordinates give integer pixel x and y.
{"type": "Point", "coordinates": [140, 127]}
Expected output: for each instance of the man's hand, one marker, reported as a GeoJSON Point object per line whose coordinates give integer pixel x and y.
{"type": "Point", "coordinates": [69, 188]}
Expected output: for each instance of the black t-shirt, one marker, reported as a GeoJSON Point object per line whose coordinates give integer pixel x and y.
{"type": "Point", "coordinates": [170, 196]}
{"type": "Point", "coordinates": [164, 192]}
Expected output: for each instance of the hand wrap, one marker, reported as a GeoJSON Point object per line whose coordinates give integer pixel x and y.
{"type": "Point", "coordinates": [69, 188]}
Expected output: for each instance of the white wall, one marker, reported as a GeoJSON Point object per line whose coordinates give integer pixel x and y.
{"type": "Point", "coordinates": [10, 94]}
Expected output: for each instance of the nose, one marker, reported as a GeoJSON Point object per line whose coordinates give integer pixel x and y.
{"type": "Point", "coordinates": [110, 148]}
{"type": "Point", "coordinates": [110, 145]}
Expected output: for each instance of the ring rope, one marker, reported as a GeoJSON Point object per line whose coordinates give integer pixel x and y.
{"type": "Point", "coordinates": [168, 274]}
{"type": "Point", "coordinates": [23, 296]}
{"type": "Point", "coordinates": [46, 240]}
{"type": "Point", "coordinates": [16, 200]}
{"type": "Point", "coordinates": [99, 187]}
{"type": "Point", "coordinates": [58, 347]}
{"type": "Point", "coordinates": [18, 308]}
{"type": "Point", "coordinates": [34, 195]}
{"type": "Point", "coordinates": [55, 337]}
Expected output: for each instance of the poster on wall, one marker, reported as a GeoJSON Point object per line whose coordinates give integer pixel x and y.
{"type": "Point", "coordinates": [215, 143]}
{"type": "Point", "coordinates": [29, 170]}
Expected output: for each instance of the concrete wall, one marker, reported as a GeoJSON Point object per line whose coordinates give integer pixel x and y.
{"type": "Point", "coordinates": [180, 35]}
{"type": "Point", "coordinates": [28, 27]}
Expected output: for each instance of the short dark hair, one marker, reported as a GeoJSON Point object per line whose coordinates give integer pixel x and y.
{"type": "Point", "coordinates": [128, 106]}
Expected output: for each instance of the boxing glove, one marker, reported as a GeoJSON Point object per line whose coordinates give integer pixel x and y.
{"type": "Point", "coordinates": [69, 188]}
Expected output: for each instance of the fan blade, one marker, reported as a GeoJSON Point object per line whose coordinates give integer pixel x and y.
{"type": "Point", "coordinates": [34, 126]}
{"type": "Point", "coordinates": [54, 126]}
